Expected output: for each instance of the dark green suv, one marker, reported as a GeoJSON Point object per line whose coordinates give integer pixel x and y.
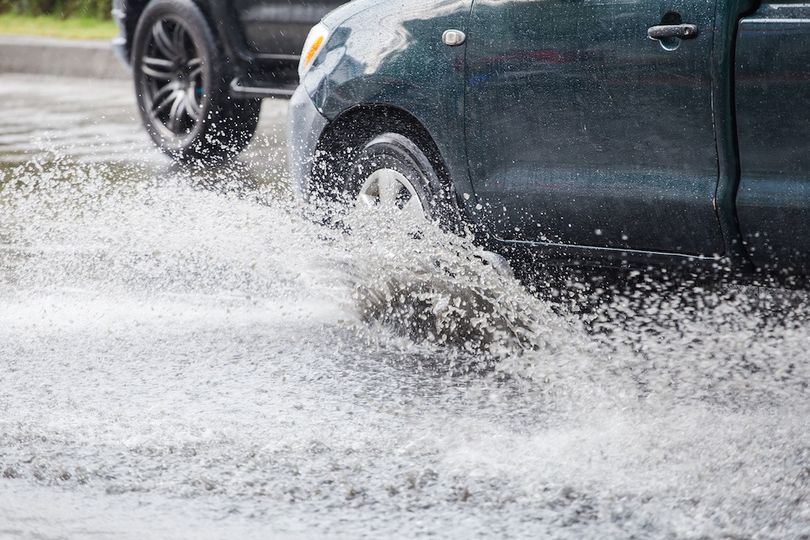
{"type": "Point", "coordinates": [651, 132]}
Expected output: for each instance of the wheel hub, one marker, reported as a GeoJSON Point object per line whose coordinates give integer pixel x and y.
{"type": "Point", "coordinates": [389, 189]}
{"type": "Point", "coordinates": [173, 78]}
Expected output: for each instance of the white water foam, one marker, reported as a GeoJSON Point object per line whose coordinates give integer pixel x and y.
{"type": "Point", "coordinates": [215, 346]}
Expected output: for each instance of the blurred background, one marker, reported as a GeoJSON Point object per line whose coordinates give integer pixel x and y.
{"type": "Point", "coordinates": [77, 19]}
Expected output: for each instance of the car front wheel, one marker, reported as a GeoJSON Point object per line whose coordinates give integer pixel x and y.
{"type": "Point", "coordinates": [181, 83]}
{"type": "Point", "coordinates": [391, 171]}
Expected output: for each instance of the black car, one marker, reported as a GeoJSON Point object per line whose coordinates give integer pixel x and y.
{"type": "Point", "coordinates": [202, 67]}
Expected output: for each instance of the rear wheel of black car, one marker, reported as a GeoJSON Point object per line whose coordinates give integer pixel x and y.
{"type": "Point", "coordinates": [181, 83]}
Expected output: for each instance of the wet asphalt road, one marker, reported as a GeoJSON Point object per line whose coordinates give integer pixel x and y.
{"type": "Point", "coordinates": [182, 355]}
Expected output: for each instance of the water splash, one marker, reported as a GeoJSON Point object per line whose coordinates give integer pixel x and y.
{"type": "Point", "coordinates": [196, 337]}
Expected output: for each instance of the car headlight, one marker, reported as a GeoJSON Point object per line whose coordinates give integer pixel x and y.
{"type": "Point", "coordinates": [315, 41]}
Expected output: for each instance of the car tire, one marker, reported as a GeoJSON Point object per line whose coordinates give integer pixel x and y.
{"type": "Point", "coordinates": [398, 153]}
{"type": "Point", "coordinates": [405, 162]}
{"type": "Point", "coordinates": [181, 83]}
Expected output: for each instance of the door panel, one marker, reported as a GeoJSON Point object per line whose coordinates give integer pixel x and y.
{"type": "Point", "coordinates": [280, 26]}
{"type": "Point", "coordinates": [581, 130]}
{"type": "Point", "coordinates": [773, 133]}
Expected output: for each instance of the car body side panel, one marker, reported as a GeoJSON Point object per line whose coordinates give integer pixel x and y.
{"type": "Point", "coordinates": [773, 132]}
{"type": "Point", "coordinates": [392, 54]}
{"type": "Point", "coordinates": [280, 27]}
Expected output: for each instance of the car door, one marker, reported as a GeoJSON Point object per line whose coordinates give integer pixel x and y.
{"type": "Point", "coordinates": [773, 132]}
{"type": "Point", "coordinates": [582, 130]}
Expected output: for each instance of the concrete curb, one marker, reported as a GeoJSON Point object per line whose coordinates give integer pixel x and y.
{"type": "Point", "coordinates": [63, 57]}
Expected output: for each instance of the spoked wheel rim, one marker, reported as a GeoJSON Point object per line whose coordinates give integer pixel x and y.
{"type": "Point", "coordinates": [172, 79]}
{"type": "Point", "coordinates": [389, 190]}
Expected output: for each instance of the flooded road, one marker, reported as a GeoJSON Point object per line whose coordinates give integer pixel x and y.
{"type": "Point", "coordinates": [184, 354]}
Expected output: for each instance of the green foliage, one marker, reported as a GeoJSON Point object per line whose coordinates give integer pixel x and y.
{"type": "Point", "coordinates": [56, 26]}
{"type": "Point", "coordinates": [62, 8]}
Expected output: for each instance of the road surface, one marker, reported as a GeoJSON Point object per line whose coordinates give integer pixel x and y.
{"type": "Point", "coordinates": [184, 354]}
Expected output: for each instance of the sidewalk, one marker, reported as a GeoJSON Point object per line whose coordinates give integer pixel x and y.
{"type": "Point", "coordinates": [64, 57]}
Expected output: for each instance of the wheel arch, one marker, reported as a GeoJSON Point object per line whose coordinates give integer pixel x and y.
{"type": "Point", "coordinates": [134, 10]}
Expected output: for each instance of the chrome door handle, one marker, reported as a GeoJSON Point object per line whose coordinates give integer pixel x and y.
{"type": "Point", "coordinates": [453, 38]}
{"type": "Point", "coordinates": [680, 31]}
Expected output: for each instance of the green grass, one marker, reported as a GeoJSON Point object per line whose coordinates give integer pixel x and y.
{"type": "Point", "coordinates": [53, 26]}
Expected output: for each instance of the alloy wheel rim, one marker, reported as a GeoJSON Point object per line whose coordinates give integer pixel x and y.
{"type": "Point", "coordinates": [173, 78]}
{"type": "Point", "coordinates": [389, 189]}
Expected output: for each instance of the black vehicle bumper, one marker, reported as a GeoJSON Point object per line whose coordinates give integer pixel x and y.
{"type": "Point", "coordinates": [304, 128]}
